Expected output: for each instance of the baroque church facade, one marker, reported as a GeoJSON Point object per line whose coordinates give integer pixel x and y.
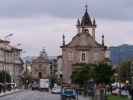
{"type": "Point", "coordinates": [40, 66]}
{"type": "Point", "coordinates": [83, 48]}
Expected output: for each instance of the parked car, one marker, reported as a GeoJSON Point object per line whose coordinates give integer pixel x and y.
{"type": "Point", "coordinates": [13, 85]}
{"type": "Point", "coordinates": [9, 86]}
{"type": "Point", "coordinates": [115, 91]}
{"type": "Point", "coordinates": [68, 93]}
{"type": "Point", "coordinates": [35, 86]}
{"type": "Point", "coordinates": [56, 90]}
{"type": "Point", "coordinates": [124, 93]}
{"type": "Point", "coordinates": [44, 84]}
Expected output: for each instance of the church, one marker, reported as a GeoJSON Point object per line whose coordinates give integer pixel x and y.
{"type": "Point", "coordinates": [40, 66]}
{"type": "Point", "coordinates": [83, 48]}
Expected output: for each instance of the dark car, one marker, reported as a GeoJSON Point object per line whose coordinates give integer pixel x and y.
{"type": "Point", "coordinates": [8, 86]}
{"type": "Point", "coordinates": [68, 93]}
{"type": "Point", "coordinates": [35, 86]}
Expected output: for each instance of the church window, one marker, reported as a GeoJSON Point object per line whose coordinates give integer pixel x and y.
{"type": "Point", "coordinates": [83, 56]}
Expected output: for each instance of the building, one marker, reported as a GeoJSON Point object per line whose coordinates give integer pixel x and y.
{"type": "Point", "coordinates": [59, 66]}
{"type": "Point", "coordinates": [53, 67]}
{"type": "Point", "coordinates": [11, 62]}
{"type": "Point", "coordinates": [83, 48]}
{"type": "Point", "coordinates": [40, 66]}
{"type": "Point", "coordinates": [27, 63]}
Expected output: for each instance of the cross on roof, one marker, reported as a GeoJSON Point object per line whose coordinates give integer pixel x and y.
{"type": "Point", "coordinates": [86, 6]}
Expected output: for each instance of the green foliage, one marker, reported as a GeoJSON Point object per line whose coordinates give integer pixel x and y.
{"type": "Point", "coordinates": [101, 73]}
{"type": "Point", "coordinates": [83, 73]}
{"type": "Point", "coordinates": [5, 77]}
{"type": "Point", "coordinates": [124, 71]}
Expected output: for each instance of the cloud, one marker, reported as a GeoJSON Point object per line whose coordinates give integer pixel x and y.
{"type": "Point", "coordinates": [116, 32]}
{"type": "Point", "coordinates": [35, 33]}
{"type": "Point", "coordinates": [106, 9]}
{"type": "Point", "coordinates": [41, 23]}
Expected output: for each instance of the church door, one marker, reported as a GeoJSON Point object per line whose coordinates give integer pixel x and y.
{"type": "Point", "coordinates": [40, 75]}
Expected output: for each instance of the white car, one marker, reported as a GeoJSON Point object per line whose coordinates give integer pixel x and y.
{"type": "Point", "coordinates": [116, 91]}
{"type": "Point", "coordinates": [56, 90]}
{"type": "Point", "coordinates": [124, 93]}
{"type": "Point", "coordinates": [44, 84]}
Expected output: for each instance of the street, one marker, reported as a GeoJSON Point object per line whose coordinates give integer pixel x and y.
{"type": "Point", "coordinates": [34, 95]}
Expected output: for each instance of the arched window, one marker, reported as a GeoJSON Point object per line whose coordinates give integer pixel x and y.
{"type": "Point", "coordinates": [83, 56]}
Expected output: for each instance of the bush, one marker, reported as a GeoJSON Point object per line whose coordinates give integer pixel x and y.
{"type": "Point", "coordinates": [5, 77]}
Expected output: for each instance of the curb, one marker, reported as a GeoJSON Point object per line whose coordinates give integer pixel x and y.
{"type": "Point", "coordinates": [11, 93]}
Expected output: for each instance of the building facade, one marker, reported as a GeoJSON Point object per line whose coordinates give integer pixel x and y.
{"type": "Point", "coordinates": [40, 66]}
{"type": "Point", "coordinates": [83, 48]}
{"type": "Point", "coordinates": [53, 67]}
{"type": "Point", "coordinates": [59, 66]}
{"type": "Point", "coordinates": [11, 62]}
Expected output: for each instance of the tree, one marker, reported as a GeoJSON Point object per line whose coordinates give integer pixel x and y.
{"type": "Point", "coordinates": [83, 73]}
{"type": "Point", "coordinates": [124, 71]}
{"type": "Point", "coordinates": [5, 77]}
{"type": "Point", "coordinates": [103, 73]}
{"type": "Point", "coordinates": [100, 73]}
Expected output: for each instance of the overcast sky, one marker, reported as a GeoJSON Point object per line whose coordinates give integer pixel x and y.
{"type": "Point", "coordinates": [41, 23]}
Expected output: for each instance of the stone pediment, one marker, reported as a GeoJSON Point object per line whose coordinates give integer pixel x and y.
{"type": "Point", "coordinates": [40, 60]}
{"type": "Point", "coordinates": [83, 40]}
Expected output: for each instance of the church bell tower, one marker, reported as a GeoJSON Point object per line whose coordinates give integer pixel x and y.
{"type": "Point", "coordinates": [86, 24]}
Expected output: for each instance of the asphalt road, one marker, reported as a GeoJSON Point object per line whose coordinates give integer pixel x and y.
{"type": "Point", "coordinates": [34, 95]}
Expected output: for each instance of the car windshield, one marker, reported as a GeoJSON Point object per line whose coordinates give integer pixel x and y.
{"type": "Point", "coordinates": [68, 91]}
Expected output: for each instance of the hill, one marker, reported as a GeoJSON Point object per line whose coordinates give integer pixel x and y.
{"type": "Point", "coordinates": [121, 53]}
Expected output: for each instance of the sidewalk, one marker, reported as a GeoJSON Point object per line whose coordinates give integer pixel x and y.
{"type": "Point", "coordinates": [10, 92]}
